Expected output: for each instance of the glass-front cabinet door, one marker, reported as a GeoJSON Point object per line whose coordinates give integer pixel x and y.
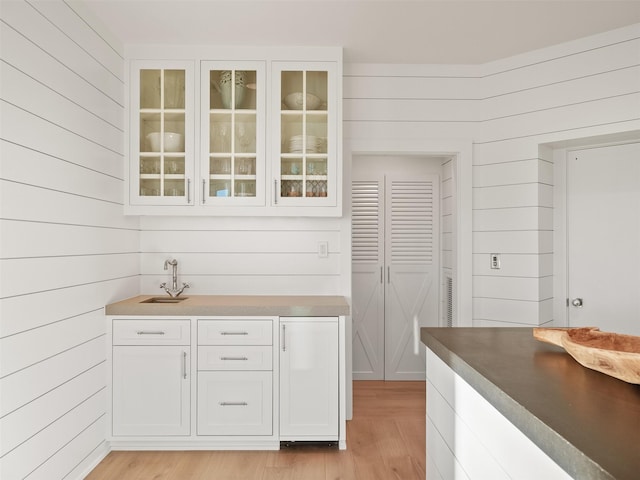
{"type": "Point", "coordinates": [162, 133]}
{"type": "Point", "coordinates": [232, 167]}
{"type": "Point", "coordinates": [305, 134]}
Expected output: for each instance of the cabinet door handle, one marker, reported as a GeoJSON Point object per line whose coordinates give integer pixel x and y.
{"type": "Point", "coordinates": [150, 332]}
{"type": "Point", "coordinates": [234, 358]}
{"type": "Point", "coordinates": [188, 190]}
{"type": "Point", "coordinates": [388, 274]}
{"type": "Point", "coordinates": [233, 404]}
{"type": "Point", "coordinates": [184, 365]}
{"type": "Point", "coordinates": [204, 189]}
{"type": "Point", "coordinates": [381, 274]}
{"type": "Point", "coordinates": [284, 338]}
{"type": "Point", "coordinates": [234, 333]}
{"type": "Point", "coordinates": [275, 191]}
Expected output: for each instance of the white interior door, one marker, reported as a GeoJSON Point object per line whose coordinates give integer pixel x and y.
{"type": "Point", "coordinates": [603, 238]}
{"type": "Point", "coordinates": [367, 258]}
{"type": "Point", "coordinates": [412, 256]}
{"type": "Point", "coordinates": [395, 265]}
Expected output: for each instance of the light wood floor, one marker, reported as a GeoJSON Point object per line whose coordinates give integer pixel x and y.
{"type": "Point", "coordinates": [385, 441]}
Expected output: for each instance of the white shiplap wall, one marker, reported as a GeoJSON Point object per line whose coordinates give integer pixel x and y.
{"type": "Point", "coordinates": [254, 256]}
{"type": "Point", "coordinates": [510, 109]}
{"type": "Point", "coordinates": [66, 249]}
{"type": "Point", "coordinates": [571, 91]}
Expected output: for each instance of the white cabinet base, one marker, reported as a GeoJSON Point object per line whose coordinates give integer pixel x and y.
{"type": "Point", "coordinates": [235, 403]}
{"type": "Point", "coordinates": [229, 365]}
{"type": "Point", "coordinates": [309, 379]}
{"type": "Point", "coordinates": [223, 443]}
{"type": "Point", "coordinates": [468, 439]}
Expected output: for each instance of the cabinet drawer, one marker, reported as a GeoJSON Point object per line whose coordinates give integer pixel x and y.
{"type": "Point", "coordinates": [235, 357]}
{"type": "Point", "coordinates": [235, 403]}
{"type": "Point", "coordinates": [235, 332]}
{"type": "Point", "coordinates": [151, 332]}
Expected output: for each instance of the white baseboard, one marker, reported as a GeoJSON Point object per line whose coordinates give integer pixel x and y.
{"type": "Point", "coordinates": [89, 463]}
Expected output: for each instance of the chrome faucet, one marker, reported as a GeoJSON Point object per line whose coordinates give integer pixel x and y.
{"type": "Point", "coordinates": [174, 291]}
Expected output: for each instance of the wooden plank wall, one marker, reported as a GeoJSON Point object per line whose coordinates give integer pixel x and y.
{"type": "Point", "coordinates": [510, 108]}
{"type": "Point", "coordinates": [66, 247]}
{"type": "Point", "coordinates": [571, 91]}
{"type": "Point", "coordinates": [269, 256]}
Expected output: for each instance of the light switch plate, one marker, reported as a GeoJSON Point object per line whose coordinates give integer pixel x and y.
{"type": "Point", "coordinates": [323, 249]}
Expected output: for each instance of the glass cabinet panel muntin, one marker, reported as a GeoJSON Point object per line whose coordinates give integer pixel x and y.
{"type": "Point", "coordinates": [233, 129]}
{"type": "Point", "coordinates": [161, 163]}
{"type": "Point", "coordinates": [306, 127]}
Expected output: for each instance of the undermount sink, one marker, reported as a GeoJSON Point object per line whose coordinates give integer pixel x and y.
{"type": "Point", "coordinates": [164, 300]}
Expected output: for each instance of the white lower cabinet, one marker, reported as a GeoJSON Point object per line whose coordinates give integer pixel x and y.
{"type": "Point", "coordinates": [256, 381]}
{"type": "Point", "coordinates": [309, 401]}
{"type": "Point", "coordinates": [235, 403]}
{"type": "Point", "coordinates": [151, 382]}
{"type": "Point", "coordinates": [235, 377]}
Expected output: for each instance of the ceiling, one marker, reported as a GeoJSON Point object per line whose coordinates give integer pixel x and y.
{"type": "Point", "coordinates": [371, 31]}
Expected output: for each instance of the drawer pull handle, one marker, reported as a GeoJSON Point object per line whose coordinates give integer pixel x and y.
{"type": "Point", "coordinates": [234, 333]}
{"type": "Point", "coordinates": [233, 404]}
{"type": "Point", "coordinates": [234, 358]}
{"type": "Point", "coordinates": [184, 365]}
{"type": "Point", "coordinates": [147, 332]}
{"type": "Point", "coordinates": [284, 338]}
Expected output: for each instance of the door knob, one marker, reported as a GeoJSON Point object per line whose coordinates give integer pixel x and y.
{"type": "Point", "coordinates": [576, 302]}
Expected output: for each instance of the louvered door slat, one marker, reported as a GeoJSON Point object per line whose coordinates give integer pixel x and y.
{"type": "Point", "coordinates": [365, 222]}
{"type": "Point", "coordinates": [412, 217]}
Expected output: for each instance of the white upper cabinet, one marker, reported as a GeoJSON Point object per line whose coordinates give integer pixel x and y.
{"type": "Point", "coordinates": [305, 134]}
{"type": "Point", "coordinates": [232, 133]}
{"type": "Point", "coordinates": [243, 132]}
{"type": "Point", "coordinates": [161, 161]}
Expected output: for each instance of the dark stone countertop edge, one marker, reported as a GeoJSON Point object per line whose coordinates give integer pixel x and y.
{"type": "Point", "coordinates": [567, 456]}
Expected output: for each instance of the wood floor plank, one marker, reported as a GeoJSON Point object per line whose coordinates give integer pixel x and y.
{"type": "Point", "coordinates": [341, 466]}
{"type": "Point", "coordinates": [385, 441]}
{"type": "Point", "coordinates": [191, 465]}
{"type": "Point", "coordinates": [236, 465]}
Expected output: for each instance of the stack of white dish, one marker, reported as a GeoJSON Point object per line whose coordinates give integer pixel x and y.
{"type": "Point", "coordinates": [173, 142]}
{"type": "Point", "coordinates": [296, 143]}
{"type": "Point", "coordinates": [296, 101]}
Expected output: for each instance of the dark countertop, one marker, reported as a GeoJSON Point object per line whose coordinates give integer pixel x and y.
{"type": "Point", "coordinates": [235, 305]}
{"type": "Point", "coordinates": [586, 421]}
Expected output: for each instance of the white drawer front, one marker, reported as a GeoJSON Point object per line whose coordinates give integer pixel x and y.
{"type": "Point", "coordinates": [235, 332]}
{"type": "Point", "coordinates": [235, 357]}
{"type": "Point", "coordinates": [235, 403]}
{"type": "Point", "coordinates": [151, 332]}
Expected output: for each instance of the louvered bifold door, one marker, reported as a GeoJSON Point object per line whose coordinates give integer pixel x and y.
{"type": "Point", "coordinates": [412, 266]}
{"type": "Point", "coordinates": [368, 277]}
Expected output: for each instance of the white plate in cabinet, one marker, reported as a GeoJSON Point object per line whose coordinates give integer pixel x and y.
{"type": "Point", "coordinates": [151, 332]}
{"type": "Point", "coordinates": [235, 357]}
{"type": "Point", "coordinates": [235, 403]}
{"type": "Point", "coordinates": [235, 332]}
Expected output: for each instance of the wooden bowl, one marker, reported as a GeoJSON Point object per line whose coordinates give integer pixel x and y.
{"type": "Point", "coordinates": [613, 354]}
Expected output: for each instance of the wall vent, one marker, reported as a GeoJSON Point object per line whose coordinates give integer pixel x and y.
{"type": "Point", "coordinates": [448, 311]}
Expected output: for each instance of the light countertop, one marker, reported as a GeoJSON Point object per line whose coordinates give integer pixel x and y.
{"type": "Point", "coordinates": [235, 305]}
{"type": "Point", "coordinates": [586, 421]}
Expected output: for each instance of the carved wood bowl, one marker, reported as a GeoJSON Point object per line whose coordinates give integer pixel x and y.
{"type": "Point", "coordinates": [613, 354]}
